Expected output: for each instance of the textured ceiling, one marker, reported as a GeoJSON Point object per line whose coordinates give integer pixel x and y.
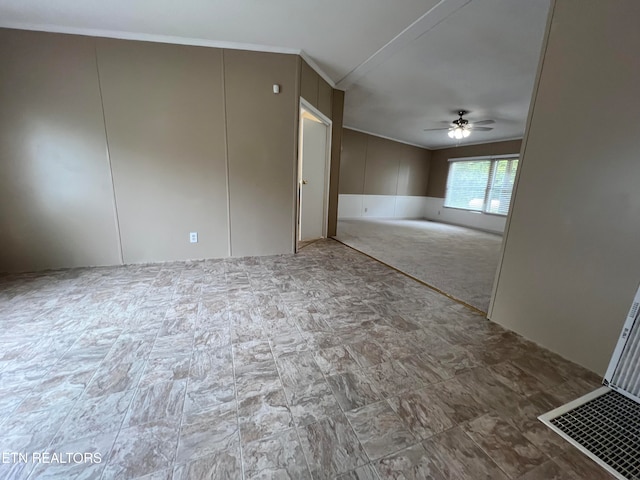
{"type": "Point", "coordinates": [482, 58]}
{"type": "Point", "coordinates": [406, 65]}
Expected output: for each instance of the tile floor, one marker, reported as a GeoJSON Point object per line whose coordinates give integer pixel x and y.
{"type": "Point", "coordinates": [321, 365]}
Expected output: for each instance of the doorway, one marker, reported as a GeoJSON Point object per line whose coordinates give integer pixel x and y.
{"type": "Point", "coordinates": [313, 179]}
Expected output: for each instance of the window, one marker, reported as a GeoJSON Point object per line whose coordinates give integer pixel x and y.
{"type": "Point", "coordinates": [481, 184]}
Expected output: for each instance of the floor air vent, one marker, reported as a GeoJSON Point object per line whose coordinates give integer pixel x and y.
{"type": "Point", "coordinates": [623, 373]}
{"type": "Point", "coordinates": [605, 425]}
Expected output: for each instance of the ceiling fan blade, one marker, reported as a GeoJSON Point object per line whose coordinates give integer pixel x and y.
{"type": "Point", "coordinates": [482, 129]}
{"type": "Point", "coordinates": [484, 122]}
{"type": "Point", "coordinates": [433, 129]}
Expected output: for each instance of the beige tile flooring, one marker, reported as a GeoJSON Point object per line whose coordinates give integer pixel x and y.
{"type": "Point", "coordinates": [325, 364]}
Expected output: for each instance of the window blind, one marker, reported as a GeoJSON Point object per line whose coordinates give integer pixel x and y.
{"type": "Point", "coordinates": [481, 184]}
{"type": "Point", "coordinates": [504, 175]}
{"type": "Point", "coordinates": [467, 185]}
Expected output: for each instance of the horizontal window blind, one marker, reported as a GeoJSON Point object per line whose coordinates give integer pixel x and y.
{"type": "Point", "coordinates": [467, 185]}
{"type": "Point", "coordinates": [481, 184]}
{"type": "Point", "coordinates": [501, 186]}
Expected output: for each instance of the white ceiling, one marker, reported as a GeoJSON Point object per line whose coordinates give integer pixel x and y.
{"type": "Point", "coordinates": [406, 65]}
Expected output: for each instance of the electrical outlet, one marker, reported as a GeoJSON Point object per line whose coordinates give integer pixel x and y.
{"type": "Point", "coordinates": [193, 237]}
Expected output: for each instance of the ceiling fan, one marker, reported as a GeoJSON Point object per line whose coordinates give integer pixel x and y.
{"type": "Point", "coordinates": [461, 128]}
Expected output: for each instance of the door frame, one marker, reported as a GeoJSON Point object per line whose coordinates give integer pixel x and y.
{"type": "Point", "coordinates": [306, 105]}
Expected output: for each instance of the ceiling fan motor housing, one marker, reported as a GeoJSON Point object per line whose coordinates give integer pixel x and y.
{"type": "Point", "coordinates": [461, 121]}
{"type": "Point", "coordinates": [461, 128]}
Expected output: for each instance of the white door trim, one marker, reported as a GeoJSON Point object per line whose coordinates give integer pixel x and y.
{"type": "Point", "coordinates": [305, 105]}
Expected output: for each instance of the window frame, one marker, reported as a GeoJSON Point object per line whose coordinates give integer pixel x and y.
{"type": "Point", "coordinates": [493, 159]}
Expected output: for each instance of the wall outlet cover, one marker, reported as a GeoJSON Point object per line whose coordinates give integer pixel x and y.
{"type": "Point", "coordinates": [193, 237]}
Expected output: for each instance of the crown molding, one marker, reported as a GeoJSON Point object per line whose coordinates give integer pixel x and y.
{"type": "Point", "coordinates": [148, 37]}
{"type": "Point", "coordinates": [498, 140]}
{"type": "Point", "coordinates": [385, 137]}
{"type": "Point", "coordinates": [317, 68]}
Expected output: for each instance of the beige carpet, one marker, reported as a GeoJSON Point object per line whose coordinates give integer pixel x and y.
{"type": "Point", "coordinates": [459, 261]}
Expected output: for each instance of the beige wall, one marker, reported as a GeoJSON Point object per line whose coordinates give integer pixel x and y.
{"type": "Point", "coordinates": [439, 169]}
{"type": "Point", "coordinates": [164, 113]}
{"type": "Point", "coordinates": [190, 133]}
{"type": "Point", "coordinates": [353, 161]}
{"type": "Point", "coordinates": [56, 200]}
{"type": "Point", "coordinates": [337, 111]}
{"type": "Point", "coordinates": [381, 166]}
{"type": "Point", "coordinates": [571, 265]}
{"type": "Point", "coordinates": [372, 165]}
{"type": "Point", "coordinates": [325, 98]}
{"type": "Point", "coordinates": [315, 90]}
{"type": "Point", "coordinates": [262, 158]}
{"type": "Point", "coordinates": [309, 81]}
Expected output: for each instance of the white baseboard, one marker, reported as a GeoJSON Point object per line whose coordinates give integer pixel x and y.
{"type": "Point", "coordinates": [380, 206]}
{"type": "Point", "coordinates": [435, 210]}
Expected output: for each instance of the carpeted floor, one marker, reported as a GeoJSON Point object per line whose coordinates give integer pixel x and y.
{"type": "Point", "coordinates": [459, 261]}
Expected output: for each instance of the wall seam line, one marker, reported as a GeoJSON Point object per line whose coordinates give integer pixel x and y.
{"type": "Point", "coordinates": [226, 152]}
{"type": "Point", "coordinates": [364, 173]}
{"type": "Point", "coordinates": [106, 137]}
{"type": "Point", "coordinates": [397, 180]}
{"type": "Point", "coordinates": [317, 89]}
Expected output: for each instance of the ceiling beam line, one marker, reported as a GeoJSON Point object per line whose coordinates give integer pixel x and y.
{"type": "Point", "coordinates": [422, 25]}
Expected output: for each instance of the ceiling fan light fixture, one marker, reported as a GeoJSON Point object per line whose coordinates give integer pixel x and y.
{"type": "Point", "coordinates": [461, 128]}
{"type": "Point", "coordinates": [459, 132]}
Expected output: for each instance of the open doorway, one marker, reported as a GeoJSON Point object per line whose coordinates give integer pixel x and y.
{"type": "Point", "coordinates": [437, 215]}
{"type": "Point", "coordinates": [313, 175]}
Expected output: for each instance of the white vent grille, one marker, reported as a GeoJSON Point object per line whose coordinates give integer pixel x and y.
{"type": "Point", "coordinates": [623, 373]}
{"type": "Point", "coordinates": [604, 425]}
{"type": "Point", "coordinates": [627, 373]}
